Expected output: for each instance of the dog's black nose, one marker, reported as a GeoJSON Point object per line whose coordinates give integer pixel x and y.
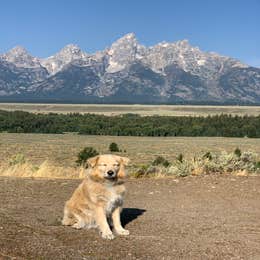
{"type": "Point", "coordinates": [110, 173]}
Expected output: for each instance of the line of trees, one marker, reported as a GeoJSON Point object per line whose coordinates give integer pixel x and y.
{"type": "Point", "coordinates": [130, 124]}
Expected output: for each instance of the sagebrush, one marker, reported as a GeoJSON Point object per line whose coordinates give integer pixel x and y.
{"type": "Point", "coordinates": [237, 162]}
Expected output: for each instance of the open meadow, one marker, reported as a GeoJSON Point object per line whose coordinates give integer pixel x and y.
{"type": "Point", "coordinates": [143, 110]}
{"type": "Point", "coordinates": [62, 149]}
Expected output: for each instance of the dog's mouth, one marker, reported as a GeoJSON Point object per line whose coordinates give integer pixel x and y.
{"type": "Point", "coordinates": [110, 177]}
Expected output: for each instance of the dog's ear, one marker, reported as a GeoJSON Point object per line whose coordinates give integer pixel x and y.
{"type": "Point", "coordinates": [92, 161]}
{"type": "Point", "coordinates": [124, 160]}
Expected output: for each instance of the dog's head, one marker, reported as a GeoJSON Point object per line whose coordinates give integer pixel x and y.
{"type": "Point", "coordinates": [108, 167]}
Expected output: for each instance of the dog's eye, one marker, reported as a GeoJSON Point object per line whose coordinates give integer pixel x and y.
{"type": "Point", "coordinates": [116, 164]}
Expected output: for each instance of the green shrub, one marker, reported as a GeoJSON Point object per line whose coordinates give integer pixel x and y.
{"type": "Point", "coordinates": [181, 169]}
{"type": "Point", "coordinates": [113, 147]}
{"type": "Point", "coordinates": [140, 171]}
{"type": "Point", "coordinates": [17, 159]}
{"type": "Point", "coordinates": [257, 165]}
{"type": "Point", "coordinates": [207, 155]}
{"type": "Point", "coordinates": [159, 160]}
{"type": "Point", "coordinates": [85, 154]}
{"type": "Point", "coordinates": [180, 157]}
{"type": "Point", "coordinates": [147, 170]}
{"type": "Point", "coordinates": [237, 152]}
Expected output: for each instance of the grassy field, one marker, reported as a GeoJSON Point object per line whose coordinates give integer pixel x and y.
{"type": "Point", "coordinates": [144, 110]}
{"type": "Point", "coordinates": [61, 150]}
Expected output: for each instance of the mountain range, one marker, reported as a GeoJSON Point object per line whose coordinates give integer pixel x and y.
{"type": "Point", "coordinates": [128, 72]}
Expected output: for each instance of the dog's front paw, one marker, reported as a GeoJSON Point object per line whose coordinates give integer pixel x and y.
{"type": "Point", "coordinates": [123, 232]}
{"type": "Point", "coordinates": [108, 236]}
{"type": "Point", "coordinates": [78, 225]}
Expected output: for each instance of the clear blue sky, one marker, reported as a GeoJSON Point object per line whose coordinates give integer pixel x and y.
{"type": "Point", "coordinates": [229, 27]}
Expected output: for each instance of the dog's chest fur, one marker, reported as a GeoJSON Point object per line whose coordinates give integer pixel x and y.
{"type": "Point", "coordinates": [114, 200]}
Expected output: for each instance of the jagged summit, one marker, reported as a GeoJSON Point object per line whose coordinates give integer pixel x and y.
{"type": "Point", "coordinates": [21, 58]}
{"type": "Point", "coordinates": [17, 50]}
{"type": "Point", "coordinates": [71, 48]}
{"type": "Point", "coordinates": [184, 42]}
{"type": "Point", "coordinates": [129, 36]}
{"type": "Point", "coordinates": [123, 52]}
{"type": "Point", "coordinates": [66, 55]}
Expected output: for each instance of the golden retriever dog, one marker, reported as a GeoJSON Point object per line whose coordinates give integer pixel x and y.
{"type": "Point", "coordinates": [98, 200]}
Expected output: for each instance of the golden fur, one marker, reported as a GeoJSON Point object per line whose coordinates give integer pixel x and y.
{"type": "Point", "coordinates": [99, 198]}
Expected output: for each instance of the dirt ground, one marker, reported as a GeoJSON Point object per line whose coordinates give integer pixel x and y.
{"type": "Point", "coordinates": [205, 217]}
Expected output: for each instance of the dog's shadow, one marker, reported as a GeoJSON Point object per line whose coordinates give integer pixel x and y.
{"type": "Point", "coordinates": [130, 214]}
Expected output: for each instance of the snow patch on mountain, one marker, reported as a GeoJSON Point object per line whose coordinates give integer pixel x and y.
{"type": "Point", "coordinates": [68, 54]}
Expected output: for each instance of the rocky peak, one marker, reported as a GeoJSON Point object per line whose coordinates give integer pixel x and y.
{"type": "Point", "coordinates": [128, 36]}
{"type": "Point", "coordinates": [17, 51]}
{"type": "Point", "coordinates": [189, 58]}
{"type": "Point", "coordinates": [66, 55]}
{"type": "Point", "coordinates": [123, 52]}
{"type": "Point", "coordinates": [71, 49]}
{"type": "Point", "coordinates": [20, 57]}
{"type": "Point", "coordinates": [183, 44]}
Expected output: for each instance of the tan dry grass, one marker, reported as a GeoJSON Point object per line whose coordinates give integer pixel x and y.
{"type": "Point", "coordinates": [62, 150]}
{"type": "Point", "coordinates": [143, 110]}
{"type": "Point", "coordinates": [45, 170]}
